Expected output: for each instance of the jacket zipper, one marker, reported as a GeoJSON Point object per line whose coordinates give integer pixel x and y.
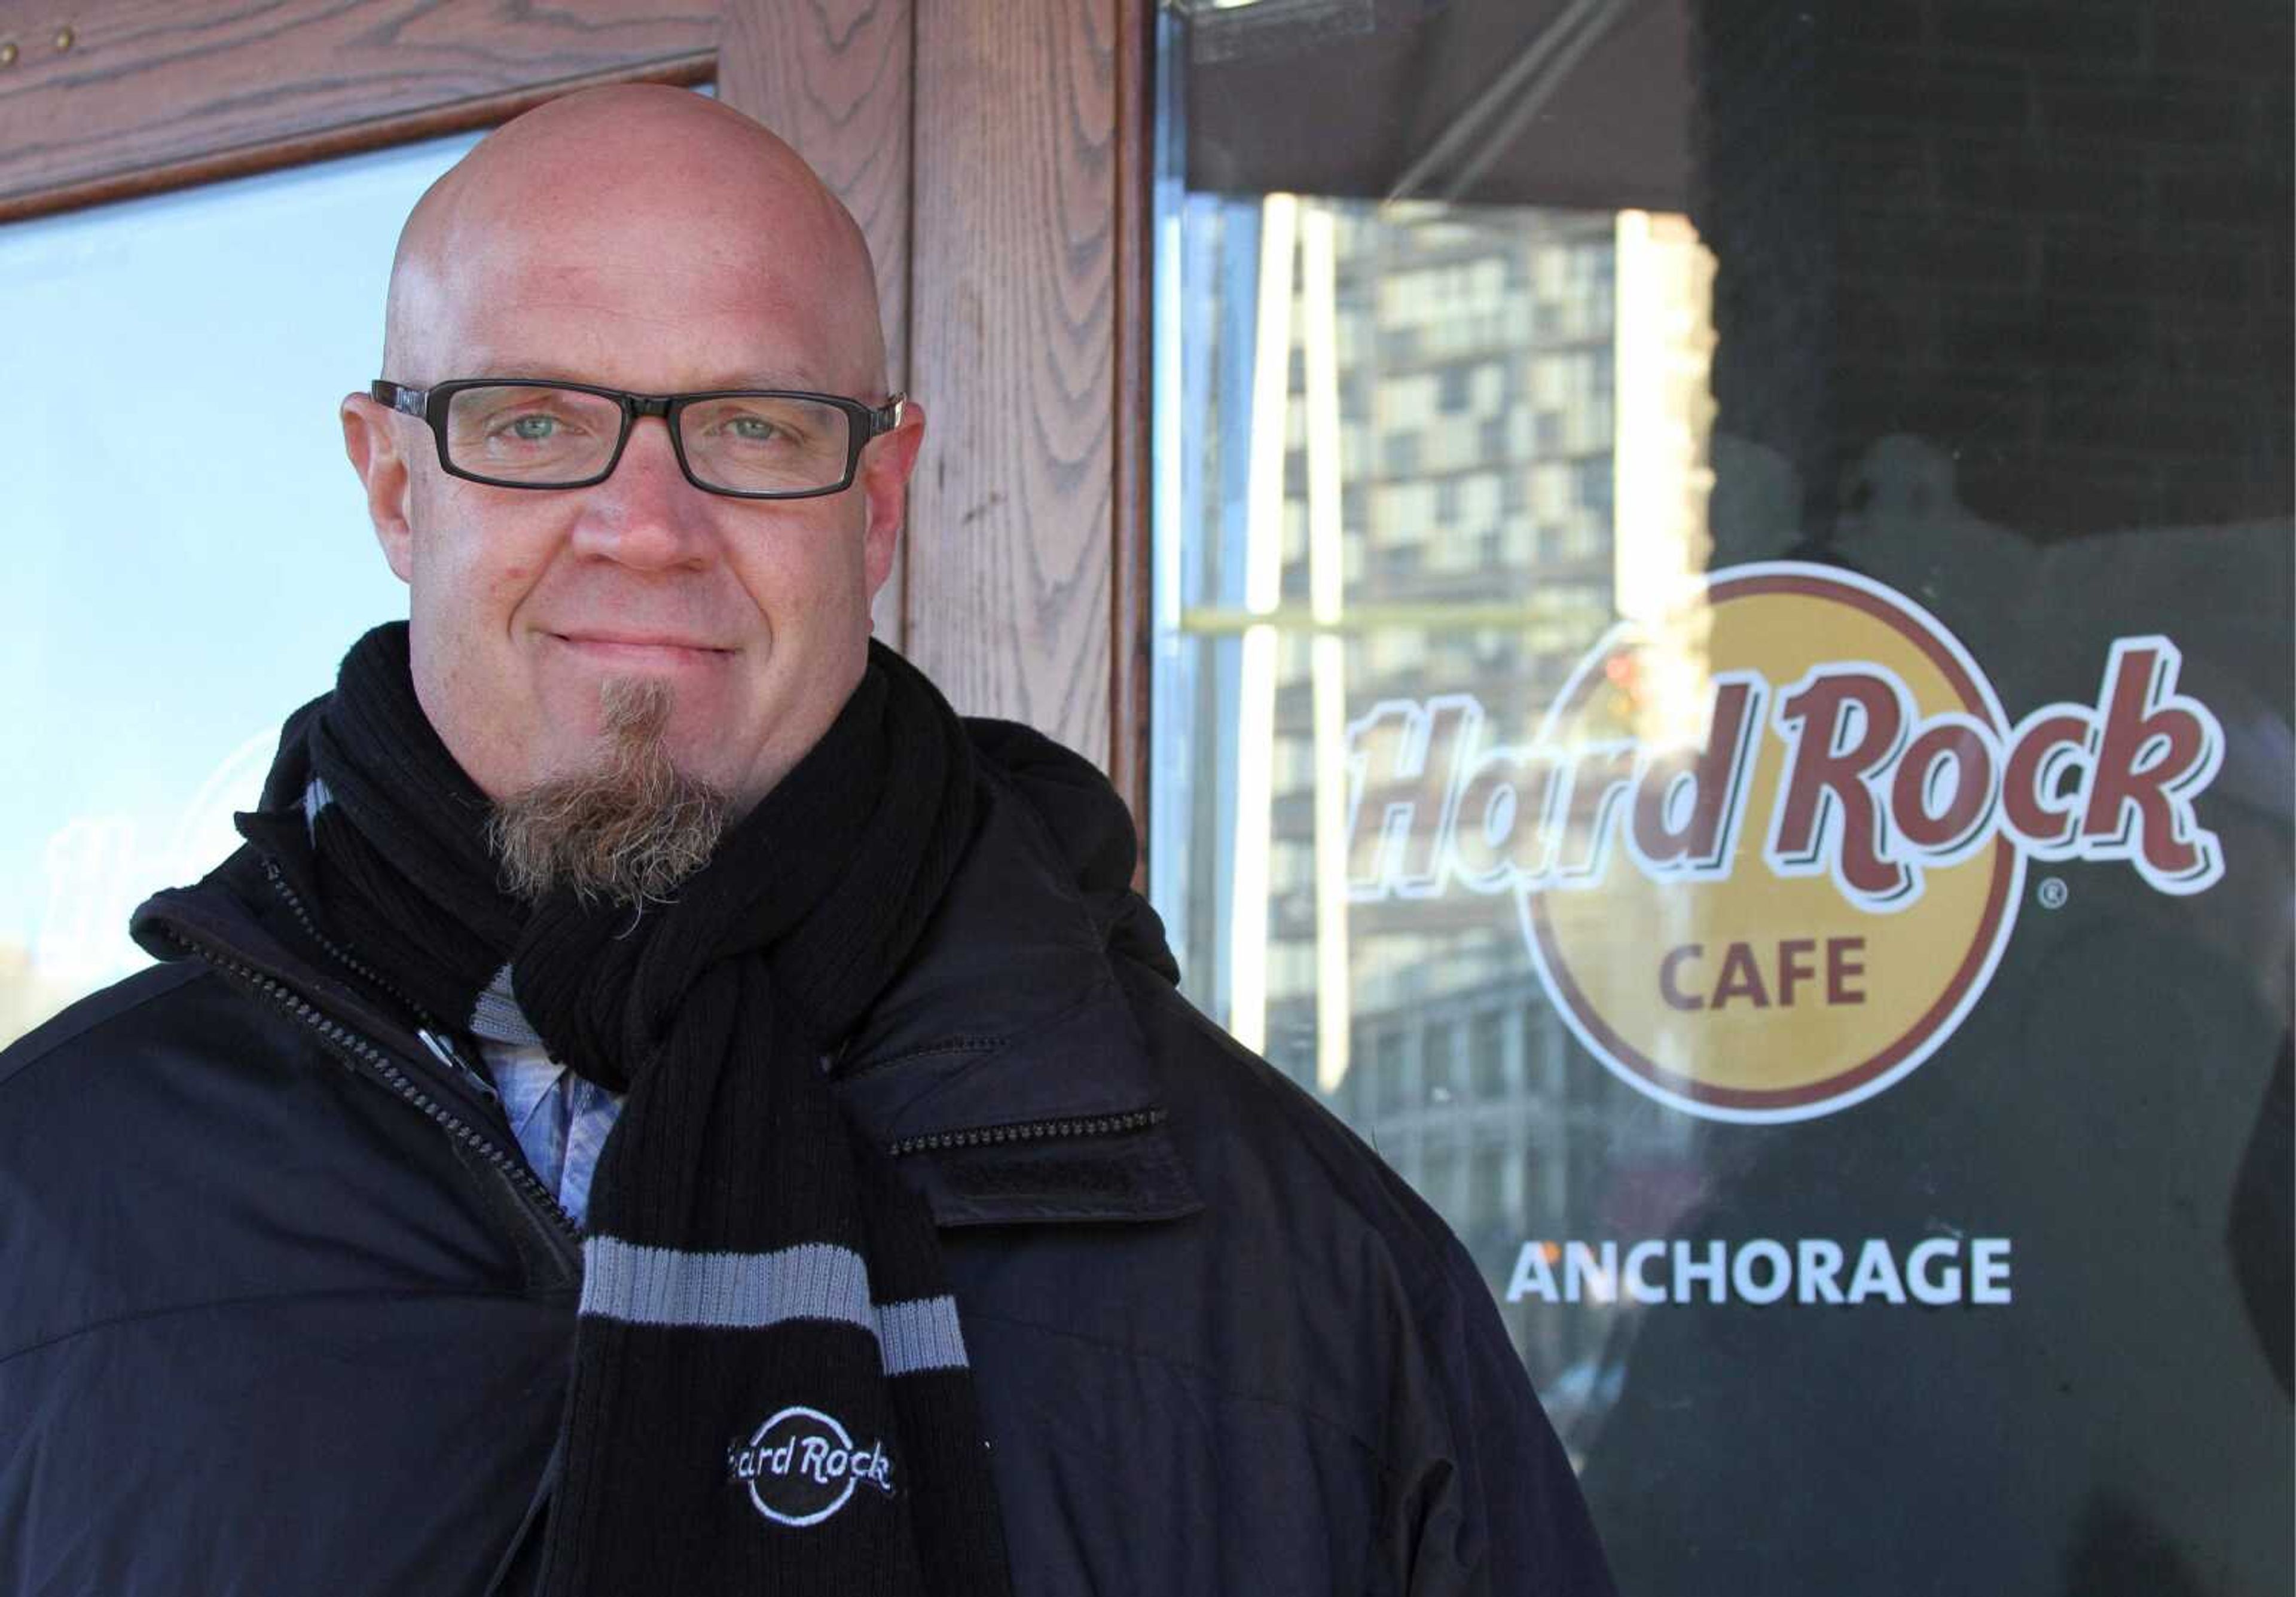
{"type": "Point", "coordinates": [1030, 1131]}
{"type": "Point", "coordinates": [441, 1047]}
{"type": "Point", "coordinates": [342, 955]}
{"type": "Point", "coordinates": [367, 1059]}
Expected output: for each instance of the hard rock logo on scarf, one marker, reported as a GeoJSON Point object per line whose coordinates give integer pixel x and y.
{"type": "Point", "coordinates": [1766, 852]}
{"type": "Point", "coordinates": [802, 1466]}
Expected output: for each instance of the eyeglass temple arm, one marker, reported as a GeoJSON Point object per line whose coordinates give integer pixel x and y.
{"type": "Point", "coordinates": [406, 401]}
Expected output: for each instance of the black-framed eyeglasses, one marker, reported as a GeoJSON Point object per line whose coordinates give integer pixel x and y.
{"type": "Point", "coordinates": [749, 443]}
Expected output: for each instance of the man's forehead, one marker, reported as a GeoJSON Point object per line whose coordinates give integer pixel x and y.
{"type": "Point", "coordinates": [489, 359]}
{"type": "Point", "coordinates": [673, 320]}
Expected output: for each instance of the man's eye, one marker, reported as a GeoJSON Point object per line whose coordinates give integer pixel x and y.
{"type": "Point", "coordinates": [533, 430]}
{"type": "Point", "coordinates": [754, 430]}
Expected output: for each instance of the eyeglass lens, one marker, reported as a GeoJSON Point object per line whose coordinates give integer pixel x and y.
{"type": "Point", "coordinates": [539, 436]}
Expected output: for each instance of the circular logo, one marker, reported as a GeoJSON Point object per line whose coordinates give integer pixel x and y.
{"type": "Point", "coordinates": [1796, 899]}
{"type": "Point", "coordinates": [802, 1466]}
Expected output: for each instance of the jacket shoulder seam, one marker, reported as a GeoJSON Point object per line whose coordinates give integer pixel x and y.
{"type": "Point", "coordinates": [45, 1041]}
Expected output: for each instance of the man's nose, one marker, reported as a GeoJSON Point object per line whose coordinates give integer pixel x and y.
{"type": "Point", "coordinates": [646, 514]}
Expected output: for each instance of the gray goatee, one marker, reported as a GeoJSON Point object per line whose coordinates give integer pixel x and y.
{"type": "Point", "coordinates": [630, 830]}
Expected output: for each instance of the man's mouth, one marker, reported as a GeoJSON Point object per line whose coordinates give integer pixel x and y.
{"type": "Point", "coordinates": [642, 651]}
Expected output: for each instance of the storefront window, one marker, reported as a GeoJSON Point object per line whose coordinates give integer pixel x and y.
{"type": "Point", "coordinates": [188, 554]}
{"type": "Point", "coordinates": [1723, 643]}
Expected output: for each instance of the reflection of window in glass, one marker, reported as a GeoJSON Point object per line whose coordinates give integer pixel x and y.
{"type": "Point", "coordinates": [1403, 512]}
{"type": "Point", "coordinates": [1537, 1058]}
{"type": "Point", "coordinates": [1454, 553]}
{"type": "Point", "coordinates": [1441, 1171]}
{"type": "Point", "coordinates": [1451, 664]}
{"type": "Point", "coordinates": [1401, 452]}
{"type": "Point", "coordinates": [1411, 401]}
{"type": "Point", "coordinates": [1550, 383]}
{"type": "Point", "coordinates": [1594, 485]}
{"type": "Point", "coordinates": [1295, 763]}
{"type": "Point", "coordinates": [1487, 1196]}
{"type": "Point", "coordinates": [1584, 535]}
{"type": "Point", "coordinates": [1554, 1041]}
{"type": "Point", "coordinates": [1398, 651]}
{"type": "Point", "coordinates": [1389, 1065]}
{"type": "Point", "coordinates": [1295, 519]}
{"type": "Point", "coordinates": [1550, 490]}
{"type": "Point", "coordinates": [1487, 1054]}
{"type": "Point", "coordinates": [1292, 968]}
{"type": "Point", "coordinates": [1438, 1043]}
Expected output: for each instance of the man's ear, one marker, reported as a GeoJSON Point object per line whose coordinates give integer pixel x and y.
{"type": "Point", "coordinates": [370, 438]}
{"type": "Point", "coordinates": [884, 480]}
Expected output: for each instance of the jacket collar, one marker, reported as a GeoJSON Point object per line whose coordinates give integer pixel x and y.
{"type": "Point", "coordinates": [1004, 1062]}
{"type": "Point", "coordinates": [1004, 1065]}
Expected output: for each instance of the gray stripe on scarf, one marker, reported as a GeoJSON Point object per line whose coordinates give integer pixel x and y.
{"type": "Point", "coordinates": [741, 1291]}
{"type": "Point", "coordinates": [920, 1333]}
{"type": "Point", "coordinates": [498, 1016]}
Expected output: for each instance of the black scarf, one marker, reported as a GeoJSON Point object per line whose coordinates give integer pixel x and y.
{"type": "Point", "coordinates": [770, 1392]}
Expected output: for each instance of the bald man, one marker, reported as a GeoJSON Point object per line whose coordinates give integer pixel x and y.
{"type": "Point", "coordinates": [659, 1103]}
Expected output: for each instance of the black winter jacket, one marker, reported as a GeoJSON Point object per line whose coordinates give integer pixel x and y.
{"type": "Point", "coordinates": [283, 1312]}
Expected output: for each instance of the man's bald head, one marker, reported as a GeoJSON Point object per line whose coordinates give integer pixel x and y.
{"type": "Point", "coordinates": [633, 168]}
{"type": "Point", "coordinates": [651, 241]}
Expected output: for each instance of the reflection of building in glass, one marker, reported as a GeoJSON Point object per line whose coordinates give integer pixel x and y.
{"type": "Point", "coordinates": [1404, 455]}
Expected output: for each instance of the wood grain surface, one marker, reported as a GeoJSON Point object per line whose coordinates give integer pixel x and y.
{"type": "Point", "coordinates": [1132, 568]}
{"type": "Point", "coordinates": [1012, 338]}
{"type": "Point", "coordinates": [834, 77]}
{"type": "Point", "coordinates": [155, 93]}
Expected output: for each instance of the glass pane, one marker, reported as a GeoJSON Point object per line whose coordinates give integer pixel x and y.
{"type": "Point", "coordinates": [1723, 638]}
{"type": "Point", "coordinates": [189, 554]}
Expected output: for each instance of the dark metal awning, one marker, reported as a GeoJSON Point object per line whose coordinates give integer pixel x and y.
{"type": "Point", "coordinates": [1567, 102]}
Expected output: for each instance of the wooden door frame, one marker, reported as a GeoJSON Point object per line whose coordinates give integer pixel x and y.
{"type": "Point", "coordinates": [996, 153]}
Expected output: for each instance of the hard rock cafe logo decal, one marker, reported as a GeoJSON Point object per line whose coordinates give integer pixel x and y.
{"type": "Point", "coordinates": [802, 1466]}
{"type": "Point", "coordinates": [1788, 907]}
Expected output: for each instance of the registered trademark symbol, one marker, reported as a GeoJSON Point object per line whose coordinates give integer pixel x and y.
{"type": "Point", "coordinates": [2053, 892]}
